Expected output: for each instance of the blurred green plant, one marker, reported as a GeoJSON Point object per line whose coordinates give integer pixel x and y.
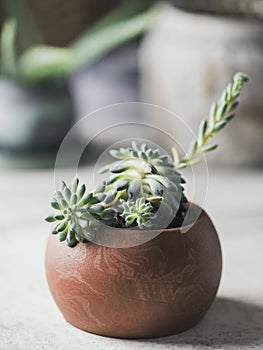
{"type": "Point", "coordinates": [39, 62]}
{"type": "Point", "coordinates": [142, 184]}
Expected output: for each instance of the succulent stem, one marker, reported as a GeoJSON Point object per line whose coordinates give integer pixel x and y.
{"type": "Point", "coordinates": [221, 113]}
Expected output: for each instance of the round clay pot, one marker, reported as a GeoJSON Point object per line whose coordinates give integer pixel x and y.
{"type": "Point", "coordinates": [162, 287]}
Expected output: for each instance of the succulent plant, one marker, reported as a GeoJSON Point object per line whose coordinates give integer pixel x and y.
{"type": "Point", "coordinates": [139, 212]}
{"type": "Point", "coordinates": [221, 113]}
{"type": "Point", "coordinates": [143, 172]}
{"type": "Point", "coordinates": [78, 212]}
{"type": "Point", "coordinates": [138, 183]}
{"type": "Point", "coordinates": [142, 184]}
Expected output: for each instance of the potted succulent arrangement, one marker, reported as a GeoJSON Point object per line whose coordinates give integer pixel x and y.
{"type": "Point", "coordinates": [162, 286]}
{"type": "Point", "coordinates": [37, 108]}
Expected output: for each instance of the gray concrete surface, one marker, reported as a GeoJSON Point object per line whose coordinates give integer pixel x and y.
{"type": "Point", "coordinates": [29, 318]}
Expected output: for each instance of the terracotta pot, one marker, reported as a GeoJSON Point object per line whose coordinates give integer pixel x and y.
{"type": "Point", "coordinates": [162, 287]}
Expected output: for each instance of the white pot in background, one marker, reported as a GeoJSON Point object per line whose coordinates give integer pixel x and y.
{"type": "Point", "coordinates": [188, 58]}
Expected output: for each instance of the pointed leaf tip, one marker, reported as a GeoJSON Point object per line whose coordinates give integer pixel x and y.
{"type": "Point", "coordinates": [50, 218]}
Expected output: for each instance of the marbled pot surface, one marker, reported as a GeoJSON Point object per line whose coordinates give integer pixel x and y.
{"type": "Point", "coordinates": [161, 287]}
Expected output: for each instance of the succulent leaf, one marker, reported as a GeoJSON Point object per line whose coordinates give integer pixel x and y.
{"type": "Point", "coordinates": [55, 205]}
{"type": "Point", "coordinates": [121, 184]}
{"type": "Point", "coordinates": [100, 187]}
{"type": "Point", "coordinates": [74, 185]}
{"type": "Point", "coordinates": [209, 148]}
{"type": "Point", "coordinates": [67, 193]}
{"type": "Point", "coordinates": [134, 188]}
{"type": "Point", "coordinates": [59, 217]}
{"type": "Point", "coordinates": [96, 209]}
{"type": "Point", "coordinates": [50, 218]}
{"type": "Point", "coordinates": [81, 192]}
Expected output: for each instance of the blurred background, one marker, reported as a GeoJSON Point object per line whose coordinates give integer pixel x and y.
{"type": "Point", "coordinates": [62, 60]}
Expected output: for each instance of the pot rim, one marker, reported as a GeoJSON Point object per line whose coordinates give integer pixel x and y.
{"type": "Point", "coordinates": [116, 237]}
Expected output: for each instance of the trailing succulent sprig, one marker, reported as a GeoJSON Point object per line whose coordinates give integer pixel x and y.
{"type": "Point", "coordinates": [221, 113]}
{"type": "Point", "coordinates": [142, 184]}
